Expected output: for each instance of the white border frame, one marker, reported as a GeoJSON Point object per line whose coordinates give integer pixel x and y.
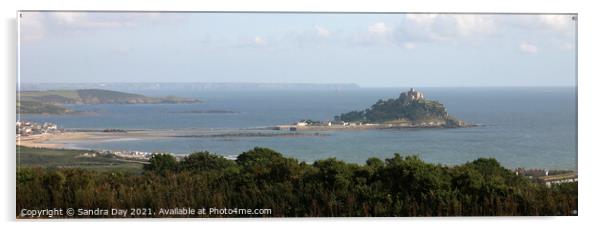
{"type": "Point", "coordinates": [588, 110]}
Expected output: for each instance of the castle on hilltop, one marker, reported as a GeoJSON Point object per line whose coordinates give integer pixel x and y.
{"type": "Point", "coordinates": [411, 95]}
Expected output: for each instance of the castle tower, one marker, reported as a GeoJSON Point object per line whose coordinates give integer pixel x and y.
{"type": "Point", "coordinates": [414, 95]}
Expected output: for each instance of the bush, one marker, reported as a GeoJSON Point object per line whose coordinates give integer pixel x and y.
{"type": "Point", "coordinates": [263, 178]}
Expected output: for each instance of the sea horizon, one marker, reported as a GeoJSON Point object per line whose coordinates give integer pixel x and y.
{"type": "Point", "coordinates": [349, 85]}
{"type": "Point", "coordinates": [533, 127]}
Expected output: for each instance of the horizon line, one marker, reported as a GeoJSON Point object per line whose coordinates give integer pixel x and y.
{"type": "Point", "coordinates": [312, 83]}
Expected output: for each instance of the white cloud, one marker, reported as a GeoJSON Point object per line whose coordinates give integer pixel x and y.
{"type": "Point", "coordinates": [69, 17]}
{"type": "Point", "coordinates": [467, 25]}
{"type": "Point", "coordinates": [379, 28]}
{"type": "Point", "coordinates": [378, 33]}
{"type": "Point", "coordinates": [31, 26]}
{"type": "Point", "coordinates": [421, 19]}
{"type": "Point", "coordinates": [445, 27]}
{"type": "Point", "coordinates": [561, 23]}
{"type": "Point", "coordinates": [259, 41]}
{"type": "Point", "coordinates": [322, 32]}
{"type": "Point", "coordinates": [528, 48]}
{"type": "Point", "coordinates": [93, 20]}
{"type": "Point", "coordinates": [37, 25]}
{"type": "Point", "coordinates": [409, 45]}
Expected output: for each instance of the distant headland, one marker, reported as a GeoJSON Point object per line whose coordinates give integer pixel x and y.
{"type": "Point", "coordinates": [51, 101]}
{"type": "Point", "coordinates": [174, 86]}
{"type": "Point", "coordinates": [410, 110]}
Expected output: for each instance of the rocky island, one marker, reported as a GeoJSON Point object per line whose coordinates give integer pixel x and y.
{"type": "Point", "coordinates": [410, 110]}
{"type": "Point", "coordinates": [51, 101]}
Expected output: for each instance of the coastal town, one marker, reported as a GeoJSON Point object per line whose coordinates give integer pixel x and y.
{"type": "Point", "coordinates": [547, 177]}
{"type": "Point", "coordinates": [26, 128]}
{"type": "Point", "coordinates": [31, 134]}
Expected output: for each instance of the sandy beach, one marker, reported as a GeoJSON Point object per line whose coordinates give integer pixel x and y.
{"type": "Point", "coordinates": [62, 139]}
{"type": "Point", "coordinates": [59, 140]}
{"type": "Point", "coordinates": [49, 140]}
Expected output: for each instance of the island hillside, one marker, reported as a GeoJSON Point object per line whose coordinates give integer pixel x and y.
{"type": "Point", "coordinates": [410, 108]}
{"type": "Point", "coordinates": [50, 101]}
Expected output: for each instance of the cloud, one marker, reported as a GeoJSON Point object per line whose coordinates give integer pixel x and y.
{"type": "Point", "coordinates": [528, 48]}
{"type": "Point", "coordinates": [38, 25]}
{"type": "Point", "coordinates": [445, 27]}
{"type": "Point", "coordinates": [421, 19]}
{"type": "Point", "coordinates": [551, 30]}
{"type": "Point", "coordinates": [561, 23]}
{"type": "Point", "coordinates": [79, 20]}
{"type": "Point", "coordinates": [567, 46]}
{"type": "Point", "coordinates": [69, 17]}
{"type": "Point", "coordinates": [377, 33]}
{"type": "Point", "coordinates": [379, 28]}
{"type": "Point", "coordinates": [322, 32]}
{"type": "Point", "coordinates": [31, 26]}
{"type": "Point", "coordinates": [417, 28]}
{"type": "Point", "coordinates": [409, 45]}
{"type": "Point", "coordinates": [257, 40]}
{"type": "Point", "coordinates": [310, 36]}
{"type": "Point", "coordinates": [467, 25]}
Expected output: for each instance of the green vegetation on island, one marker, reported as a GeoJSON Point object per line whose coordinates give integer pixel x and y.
{"type": "Point", "coordinates": [51, 101]}
{"type": "Point", "coordinates": [410, 108]}
{"type": "Point", "coordinates": [262, 178]}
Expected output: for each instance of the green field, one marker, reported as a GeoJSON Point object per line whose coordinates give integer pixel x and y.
{"type": "Point", "coordinates": [67, 158]}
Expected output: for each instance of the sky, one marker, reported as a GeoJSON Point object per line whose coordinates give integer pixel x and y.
{"type": "Point", "coordinates": [371, 50]}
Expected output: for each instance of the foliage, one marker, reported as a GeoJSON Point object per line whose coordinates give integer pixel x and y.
{"type": "Point", "coordinates": [397, 109]}
{"type": "Point", "coordinates": [161, 163]}
{"type": "Point", "coordinates": [204, 161]}
{"type": "Point", "coordinates": [263, 178]}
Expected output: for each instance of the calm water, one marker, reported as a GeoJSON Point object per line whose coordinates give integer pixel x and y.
{"type": "Point", "coordinates": [521, 127]}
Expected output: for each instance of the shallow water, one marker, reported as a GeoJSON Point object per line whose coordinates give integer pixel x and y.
{"type": "Point", "coordinates": [520, 127]}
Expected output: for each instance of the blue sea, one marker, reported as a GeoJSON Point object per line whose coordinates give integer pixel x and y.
{"type": "Point", "coordinates": [520, 127]}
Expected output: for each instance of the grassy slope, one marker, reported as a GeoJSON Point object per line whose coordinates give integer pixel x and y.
{"type": "Point", "coordinates": [51, 101]}
{"type": "Point", "coordinates": [94, 96]}
{"type": "Point", "coordinates": [65, 158]}
{"type": "Point", "coordinates": [78, 95]}
{"type": "Point", "coordinates": [34, 107]}
{"type": "Point", "coordinates": [71, 94]}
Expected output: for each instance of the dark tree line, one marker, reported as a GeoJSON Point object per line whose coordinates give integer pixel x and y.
{"type": "Point", "coordinates": [263, 178]}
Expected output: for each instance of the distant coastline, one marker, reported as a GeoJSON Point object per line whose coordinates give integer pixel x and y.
{"type": "Point", "coordinates": [52, 101]}
{"type": "Point", "coordinates": [145, 86]}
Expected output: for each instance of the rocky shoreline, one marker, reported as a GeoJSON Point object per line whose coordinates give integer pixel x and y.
{"type": "Point", "coordinates": [365, 127]}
